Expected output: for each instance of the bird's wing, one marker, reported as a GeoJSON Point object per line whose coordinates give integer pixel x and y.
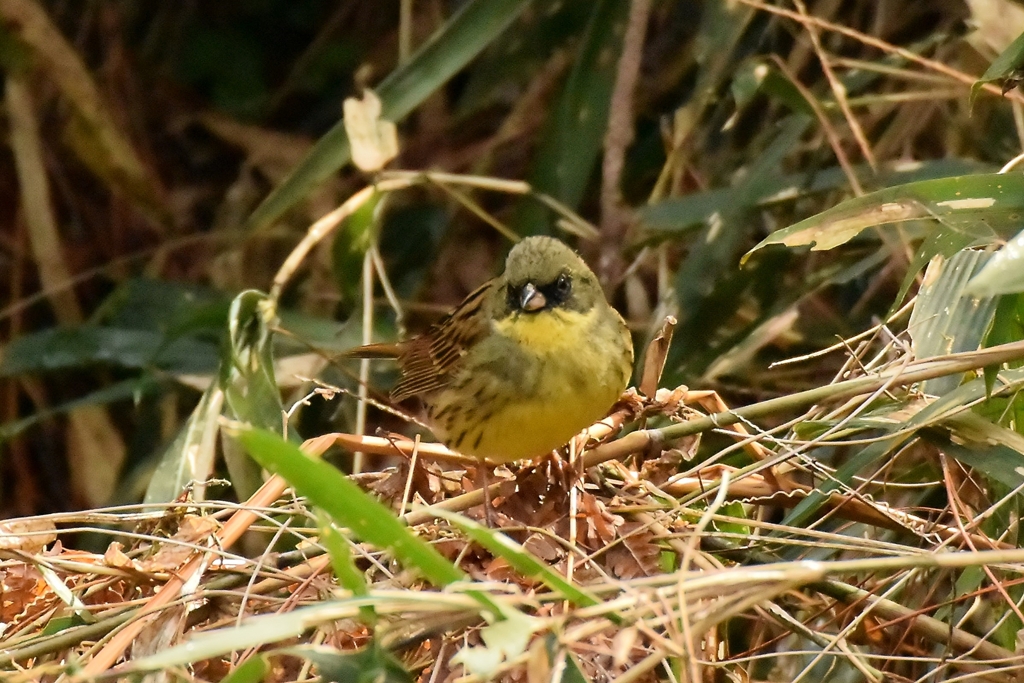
{"type": "Point", "coordinates": [430, 360]}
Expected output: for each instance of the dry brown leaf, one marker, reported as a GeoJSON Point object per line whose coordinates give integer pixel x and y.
{"type": "Point", "coordinates": [391, 486]}
{"type": "Point", "coordinates": [599, 524]}
{"type": "Point", "coordinates": [654, 359]}
{"type": "Point", "coordinates": [27, 535]}
{"type": "Point", "coordinates": [193, 530]}
{"type": "Point", "coordinates": [115, 557]}
{"type": "Point", "coordinates": [543, 547]}
{"type": "Point", "coordinates": [21, 588]}
{"type": "Point", "coordinates": [658, 470]}
{"type": "Point", "coordinates": [637, 554]}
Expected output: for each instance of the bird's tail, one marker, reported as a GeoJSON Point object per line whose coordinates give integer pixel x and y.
{"type": "Point", "coordinates": [385, 350]}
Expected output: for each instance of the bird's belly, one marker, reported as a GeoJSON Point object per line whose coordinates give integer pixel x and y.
{"type": "Point", "coordinates": [571, 392]}
{"type": "Point", "coordinates": [533, 427]}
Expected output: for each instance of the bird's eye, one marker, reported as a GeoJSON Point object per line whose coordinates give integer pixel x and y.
{"type": "Point", "coordinates": [512, 295]}
{"type": "Point", "coordinates": [563, 284]}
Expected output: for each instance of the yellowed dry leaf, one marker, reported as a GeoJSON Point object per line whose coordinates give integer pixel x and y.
{"type": "Point", "coordinates": [29, 535]}
{"type": "Point", "coordinates": [115, 557]}
{"type": "Point", "coordinates": [374, 141]}
{"type": "Point", "coordinates": [193, 530]}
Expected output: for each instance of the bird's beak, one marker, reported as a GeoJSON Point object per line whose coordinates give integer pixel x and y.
{"type": "Point", "coordinates": [531, 299]}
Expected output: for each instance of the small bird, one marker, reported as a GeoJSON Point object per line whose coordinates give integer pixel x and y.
{"type": "Point", "coordinates": [524, 363]}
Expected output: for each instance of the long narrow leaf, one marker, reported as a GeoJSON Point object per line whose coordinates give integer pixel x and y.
{"type": "Point", "coordinates": [460, 40]}
{"type": "Point", "coordinates": [347, 504]}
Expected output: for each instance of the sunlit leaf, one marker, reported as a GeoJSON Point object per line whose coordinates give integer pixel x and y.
{"type": "Point", "coordinates": [981, 206]}
{"type": "Point", "coordinates": [373, 140]}
{"type": "Point", "coordinates": [1004, 274]}
{"type": "Point", "coordinates": [503, 640]}
{"type": "Point", "coordinates": [946, 319]}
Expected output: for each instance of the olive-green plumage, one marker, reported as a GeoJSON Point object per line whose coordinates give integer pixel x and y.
{"type": "Point", "coordinates": [525, 363]}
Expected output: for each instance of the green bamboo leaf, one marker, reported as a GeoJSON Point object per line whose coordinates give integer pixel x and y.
{"type": "Point", "coordinates": [690, 211]}
{"type": "Point", "coordinates": [996, 452]}
{"type": "Point", "coordinates": [979, 206]}
{"type": "Point", "coordinates": [1004, 274]}
{"type": "Point", "coordinates": [520, 559]}
{"type": "Point", "coordinates": [714, 253]}
{"type": "Point", "coordinates": [1005, 69]}
{"type": "Point", "coordinates": [65, 348]}
{"type": "Point", "coordinates": [1007, 326]}
{"type": "Point", "coordinates": [130, 389]}
{"type": "Point", "coordinates": [247, 370]}
{"type": "Point", "coordinates": [347, 504]}
{"type": "Point", "coordinates": [246, 377]}
{"type": "Point", "coordinates": [518, 55]}
{"type": "Point", "coordinates": [946, 319]}
{"type": "Point", "coordinates": [461, 39]}
{"type": "Point", "coordinates": [245, 390]}
{"type": "Point", "coordinates": [190, 456]}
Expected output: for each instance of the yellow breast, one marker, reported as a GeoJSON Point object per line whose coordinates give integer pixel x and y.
{"type": "Point", "coordinates": [578, 365]}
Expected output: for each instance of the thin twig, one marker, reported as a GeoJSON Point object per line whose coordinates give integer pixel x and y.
{"type": "Point", "coordinates": [618, 137]}
{"type": "Point", "coordinates": [838, 89]}
{"type": "Point", "coordinates": [883, 46]}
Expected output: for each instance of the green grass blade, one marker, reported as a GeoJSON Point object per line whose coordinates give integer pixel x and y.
{"type": "Point", "coordinates": [519, 558]}
{"type": "Point", "coordinates": [348, 575]}
{"type": "Point", "coordinates": [347, 504]}
{"type": "Point", "coordinates": [252, 670]}
{"type": "Point", "coordinates": [1004, 69]}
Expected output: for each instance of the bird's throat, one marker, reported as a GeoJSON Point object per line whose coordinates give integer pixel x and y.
{"type": "Point", "coordinates": [550, 331]}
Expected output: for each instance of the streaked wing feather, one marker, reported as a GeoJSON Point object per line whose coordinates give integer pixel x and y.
{"type": "Point", "coordinates": [430, 360]}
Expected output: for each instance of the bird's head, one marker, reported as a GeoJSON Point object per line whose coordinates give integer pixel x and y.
{"type": "Point", "coordinates": [543, 274]}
